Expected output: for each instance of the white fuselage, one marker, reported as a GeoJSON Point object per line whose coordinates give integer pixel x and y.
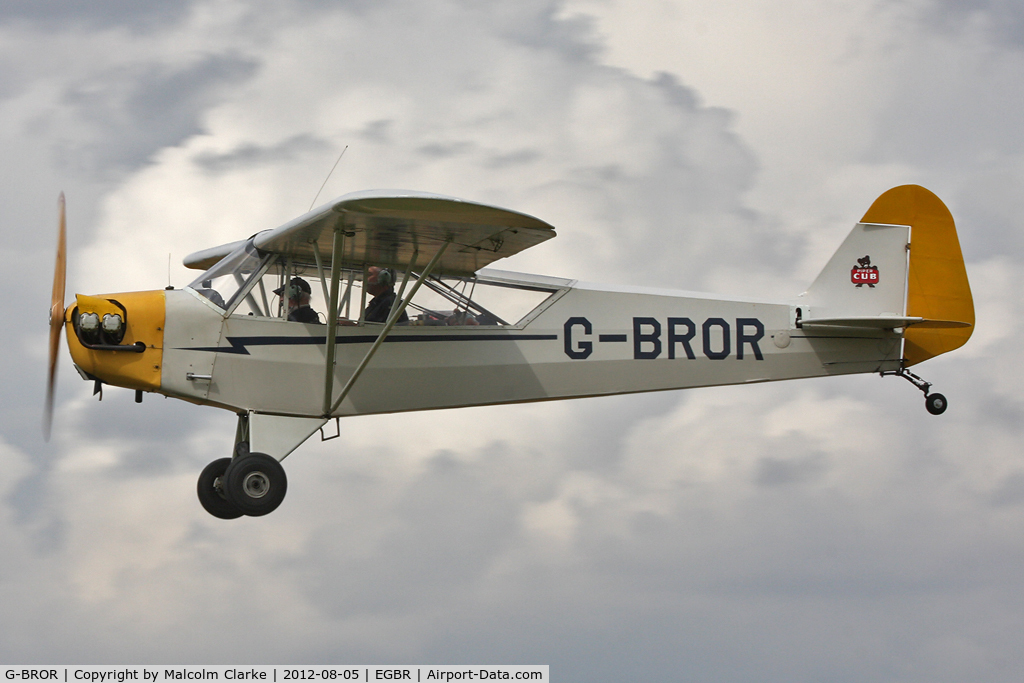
{"type": "Point", "coordinates": [584, 340]}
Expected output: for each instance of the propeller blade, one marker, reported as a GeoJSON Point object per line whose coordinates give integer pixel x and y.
{"type": "Point", "coordinates": [56, 314]}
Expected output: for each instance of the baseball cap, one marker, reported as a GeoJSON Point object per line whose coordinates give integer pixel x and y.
{"type": "Point", "coordinates": [296, 282]}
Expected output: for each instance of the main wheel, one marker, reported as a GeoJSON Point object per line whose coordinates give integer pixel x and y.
{"type": "Point", "coordinates": [255, 484]}
{"type": "Point", "coordinates": [935, 403]}
{"type": "Point", "coordinates": [211, 490]}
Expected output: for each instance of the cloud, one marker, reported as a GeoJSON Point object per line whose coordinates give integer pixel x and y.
{"type": "Point", "coordinates": [249, 155]}
{"type": "Point", "coordinates": [1000, 19]}
{"type": "Point", "coordinates": [136, 109]}
{"type": "Point", "coordinates": [800, 530]}
{"type": "Point", "coordinates": [839, 103]}
{"type": "Point", "coordinates": [61, 13]}
{"type": "Point", "coordinates": [613, 160]}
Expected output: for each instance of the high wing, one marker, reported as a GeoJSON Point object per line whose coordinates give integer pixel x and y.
{"type": "Point", "coordinates": [394, 227]}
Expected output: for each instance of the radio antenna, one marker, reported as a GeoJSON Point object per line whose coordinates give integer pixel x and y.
{"type": "Point", "coordinates": [328, 177]}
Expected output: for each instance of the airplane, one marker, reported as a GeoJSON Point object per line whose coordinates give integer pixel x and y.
{"type": "Point", "coordinates": [460, 333]}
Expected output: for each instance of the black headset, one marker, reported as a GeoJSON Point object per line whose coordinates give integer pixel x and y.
{"type": "Point", "coordinates": [385, 277]}
{"type": "Point", "coordinates": [292, 291]}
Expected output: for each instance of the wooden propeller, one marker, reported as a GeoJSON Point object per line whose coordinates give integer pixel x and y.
{"type": "Point", "coordinates": [56, 314]}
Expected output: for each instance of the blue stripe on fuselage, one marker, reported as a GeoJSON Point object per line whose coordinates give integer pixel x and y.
{"type": "Point", "coordinates": [239, 345]}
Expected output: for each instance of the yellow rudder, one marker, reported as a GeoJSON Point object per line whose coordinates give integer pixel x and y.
{"type": "Point", "coordinates": [937, 287]}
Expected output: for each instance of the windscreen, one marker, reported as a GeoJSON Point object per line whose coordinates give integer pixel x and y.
{"type": "Point", "coordinates": [222, 283]}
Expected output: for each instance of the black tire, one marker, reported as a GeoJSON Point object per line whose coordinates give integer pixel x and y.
{"type": "Point", "coordinates": [935, 403]}
{"type": "Point", "coordinates": [255, 484]}
{"type": "Point", "coordinates": [211, 490]}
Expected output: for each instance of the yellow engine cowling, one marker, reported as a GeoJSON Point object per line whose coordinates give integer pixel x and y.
{"type": "Point", "coordinates": [143, 314]}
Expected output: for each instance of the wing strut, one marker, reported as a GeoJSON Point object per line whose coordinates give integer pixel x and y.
{"type": "Point", "coordinates": [405, 281]}
{"type": "Point", "coordinates": [320, 270]}
{"type": "Point", "coordinates": [392, 320]}
{"type": "Point", "coordinates": [332, 316]}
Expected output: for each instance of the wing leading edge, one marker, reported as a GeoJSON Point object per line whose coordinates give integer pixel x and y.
{"type": "Point", "coordinates": [389, 227]}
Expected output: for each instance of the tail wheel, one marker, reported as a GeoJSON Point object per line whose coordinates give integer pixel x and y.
{"type": "Point", "coordinates": [936, 404]}
{"type": "Point", "coordinates": [211, 490]}
{"type": "Point", "coordinates": [255, 484]}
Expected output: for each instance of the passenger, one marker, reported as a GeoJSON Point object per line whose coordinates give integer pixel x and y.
{"type": "Point", "coordinates": [299, 310]}
{"type": "Point", "coordinates": [380, 283]}
{"type": "Point", "coordinates": [462, 319]}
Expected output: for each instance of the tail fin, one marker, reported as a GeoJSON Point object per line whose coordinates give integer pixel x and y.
{"type": "Point", "coordinates": [937, 287]}
{"type": "Point", "coordinates": [866, 277]}
{"type": "Point", "coordinates": [865, 282]}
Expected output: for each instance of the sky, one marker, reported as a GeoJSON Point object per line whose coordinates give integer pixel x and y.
{"type": "Point", "coordinates": [825, 529]}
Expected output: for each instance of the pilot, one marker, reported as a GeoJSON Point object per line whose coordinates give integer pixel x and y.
{"type": "Point", "coordinates": [299, 310]}
{"type": "Point", "coordinates": [380, 283]}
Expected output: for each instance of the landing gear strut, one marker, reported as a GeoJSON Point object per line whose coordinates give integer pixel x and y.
{"type": "Point", "coordinates": [935, 404]}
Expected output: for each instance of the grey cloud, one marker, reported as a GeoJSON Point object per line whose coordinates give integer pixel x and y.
{"type": "Point", "coordinates": [1003, 19]}
{"type": "Point", "coordinates": [150, 431]}
{"type": "Point", "coordinates": [94, 13]}
{"type": "Point", "coordinates": [151, 440]}
{"type": "Point", "coordinates": [450, 525]}
{"type": "Point", "coordinates": [523, 156]}
{"type": "Point", "coordinates": [43, 531]}
{"type": "Point", "coordinates": [675, 179]}
{"type": "Point", "coordinates": [251, 155]}
{"type": "Point", "coordinates": [134, 111]}
{"type": "Point", "coordinates": [540, 24]}
{"type": "Point", "coordinates": [947, 115]}
{"type": "Point", "coordinates": [1004, 412]}
{"type": "Point", "coordinates": [437, 568]}
{"type": "Point", "coordinates": [377, 131]}
{"type": "Point", "coordinates": [988, 208]}
{"type": "Point", "coordinates": [784, 567]}
{"type": "Point", "coordinates": [770, 568]}
{"type": "Point", "coordinates": [596, 439]}
{"type": "Point", "coordinates": [772, 471]}
{"type": "Point", "coordinates": [678, 93]}
{"type": "Point", "coordinates": [446, 150]}
{"type": "Point", "coordinates": [1010, 491]}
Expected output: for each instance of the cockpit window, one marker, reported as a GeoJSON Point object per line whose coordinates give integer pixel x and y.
{"type": "Point", "coordinates": [474, 301]}
{"type": "Point", "coordinates": [222, 283]}
{"type": "Point", "coordinates": [248, 283]}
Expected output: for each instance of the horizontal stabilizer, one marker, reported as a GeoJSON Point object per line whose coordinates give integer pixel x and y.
{"type": "Point", "coordinates": [882, 322]}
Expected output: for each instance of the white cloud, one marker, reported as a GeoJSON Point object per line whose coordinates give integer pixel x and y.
{"type": "Point", "coordinates": [800, 530]}
{"type": "Point", "coordinates": [615, 162]}
{"type": "Point", "coordinates": [841, 101]}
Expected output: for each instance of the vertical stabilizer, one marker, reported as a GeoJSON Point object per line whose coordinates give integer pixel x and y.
{"type": "Point", "coordinates": [866, 277]}
{"type": "Point", "coordinates": [937, 287]}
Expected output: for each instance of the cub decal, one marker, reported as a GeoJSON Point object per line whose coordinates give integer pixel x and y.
{"type": "Point", "coordinates": [864, 273]}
